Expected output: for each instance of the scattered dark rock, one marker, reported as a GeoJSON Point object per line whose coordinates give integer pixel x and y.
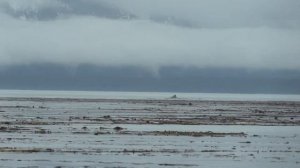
{"type": "Point", "coordinates": [80, 132]}
{"type": "Point", "coordinates": [118, 128]}
{"type": "Point", "coordinates": [107, 117]}
{"type": "Point", "coordinates": [259, 111]}
{"type": "Point", "coordinates": [177, 165]}
{"type": "Point", "coordinates": [247, 142]}
{"type": "Point", "coordinates": [23, 107]}
{"type": "Point", "coordinates": [101, 133]}
{"type": "Point", "coordinates": [49, 150]}
{"type": "Point", "coordinates": [3, 128]}
{"type": "Point", "coordinates": [196, 134]}
{"type": "Point", "coordinates": [42, 131]}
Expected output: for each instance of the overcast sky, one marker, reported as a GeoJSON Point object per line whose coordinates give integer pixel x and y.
{"type": "Point", "coordinates": [253, 34]}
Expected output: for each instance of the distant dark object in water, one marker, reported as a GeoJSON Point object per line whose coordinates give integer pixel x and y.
{"type": "Point", "coordinates": [174, 97]}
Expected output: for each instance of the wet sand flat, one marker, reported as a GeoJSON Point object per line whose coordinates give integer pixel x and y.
{"type": "Point", "coordinates": [64, 132]}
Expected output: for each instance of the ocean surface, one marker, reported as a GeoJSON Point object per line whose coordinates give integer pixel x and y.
{"type": "Point", "coordinates": [147, 95]}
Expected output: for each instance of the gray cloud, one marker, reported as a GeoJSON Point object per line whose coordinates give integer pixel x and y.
{"type": "Point", "coordinates": [220, 14]}
{"type": "Point", "coordinates": [53, 9]}
{"type": "Point", "coordinates": [235, 33]}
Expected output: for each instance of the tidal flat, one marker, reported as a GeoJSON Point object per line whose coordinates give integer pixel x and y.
{"type": "Point", "coordinates": [91, 132]}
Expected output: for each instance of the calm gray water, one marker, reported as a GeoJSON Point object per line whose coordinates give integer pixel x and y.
{"type": "Point", "coordinates": [146, 95]}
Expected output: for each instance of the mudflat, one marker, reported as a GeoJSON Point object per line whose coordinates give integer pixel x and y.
{"type": "Point", "coordinates": [74, 132]}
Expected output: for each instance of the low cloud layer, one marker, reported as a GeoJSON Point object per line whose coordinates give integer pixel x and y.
{"type": "Point", "coordinates": [255, 34]}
